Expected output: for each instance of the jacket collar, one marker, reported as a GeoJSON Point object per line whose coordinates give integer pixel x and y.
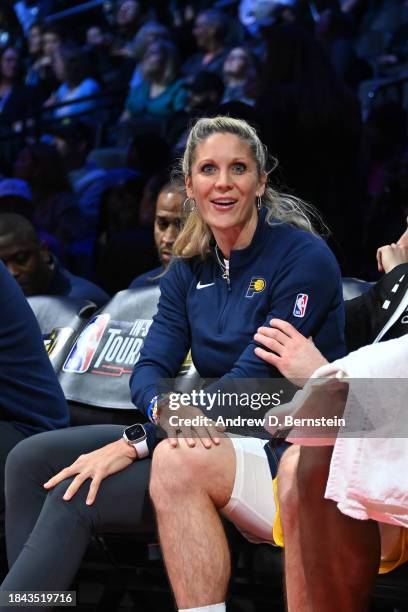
{"type": "Point", "coordinates": [242, 257]}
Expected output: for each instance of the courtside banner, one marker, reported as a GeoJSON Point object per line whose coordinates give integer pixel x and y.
{"type": "Point", "coordinates": [97, 365]}
{"type": "Point", "coordinates": [97, 368]}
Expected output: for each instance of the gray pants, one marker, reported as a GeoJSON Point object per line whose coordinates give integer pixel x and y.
{"type": "Point", "coordinates": [46, 536]}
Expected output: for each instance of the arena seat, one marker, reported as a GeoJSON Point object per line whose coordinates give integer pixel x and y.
{"type": "Point", "coordinates": [353, 287]}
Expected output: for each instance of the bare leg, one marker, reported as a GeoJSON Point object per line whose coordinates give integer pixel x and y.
{"type": "Point", "coordinates": [188, 487]}
{"type": "Point", "coordinates": [340, 555]}
{"type": "Point", "coordinates": [296, 591]}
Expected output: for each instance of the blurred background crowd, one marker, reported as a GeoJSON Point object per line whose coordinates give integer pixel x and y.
{"type": "Point", "coordinates": [96, 99]}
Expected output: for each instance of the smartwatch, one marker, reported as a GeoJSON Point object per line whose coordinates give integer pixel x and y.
{"type": "Point", "coordinates": [136, 436]}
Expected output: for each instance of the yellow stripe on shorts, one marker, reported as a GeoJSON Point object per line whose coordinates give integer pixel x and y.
{"type": "Point", "coordinates": [399, 554]}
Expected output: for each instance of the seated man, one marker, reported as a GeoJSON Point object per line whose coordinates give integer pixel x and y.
{"type": "Point", "coordinates": [31, 398]}
{"type": "Point", "coordinates": [167, 222]}
{"type": "Point", "coordinates": [313, 527]}
{"type": "Point", "coordinates": [36, 270]}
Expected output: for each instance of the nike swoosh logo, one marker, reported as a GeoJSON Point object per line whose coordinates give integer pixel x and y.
{"type": "Point", "coordinates": [200, 286]}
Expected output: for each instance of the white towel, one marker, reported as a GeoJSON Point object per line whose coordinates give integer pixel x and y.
{"type": "Point", "coordinates": [368, 472]}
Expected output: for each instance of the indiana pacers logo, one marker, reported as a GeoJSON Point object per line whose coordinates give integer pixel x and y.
{"type": "Point", "coordinates": [257, 285]}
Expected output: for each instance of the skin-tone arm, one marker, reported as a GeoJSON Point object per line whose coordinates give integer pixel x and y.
{"type": "Point", "coordinates": [392, 255]}
{"type": "Point", "coordinates": [117, 456]}
{"type": "Point", "coordinates": [95, 466]}
{"type": "Point", "coordinates": [295, 356]}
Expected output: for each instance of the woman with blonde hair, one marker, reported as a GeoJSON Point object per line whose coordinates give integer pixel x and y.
{"type": "Point", "coordinates": [246, 254]}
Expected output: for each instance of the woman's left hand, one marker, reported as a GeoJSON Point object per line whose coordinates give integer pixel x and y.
{"type": "Point", "coordinates": [96, 466]}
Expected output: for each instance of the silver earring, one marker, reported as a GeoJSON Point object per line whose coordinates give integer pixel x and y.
{"type": "Point", "coordinates": [189, 206]}
{"type": "Point", "coordinates": [259, 202]}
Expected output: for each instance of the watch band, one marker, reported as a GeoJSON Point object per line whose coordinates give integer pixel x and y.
{"type": "Point", "coordinates": [141, 448]}
{"type": "Point", "coordinates": [140, 443]}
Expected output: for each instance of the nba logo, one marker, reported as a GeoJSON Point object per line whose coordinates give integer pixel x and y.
{"type": "Point", "coordinates": [300, 305]}
{"type": "Point", "coordinates": [84, 349]}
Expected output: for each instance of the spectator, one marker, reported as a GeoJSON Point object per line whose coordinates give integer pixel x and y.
{"type": "Point", "coordinates": [240, 76]}
{"type": "Point", "coordinates": [74, 143]}
{"type": "Point", "coordinates": [73, 69]}
{"type": "Point", "coordinates": [56, 214]}
{"type": "Point", "coordinates": [151, 191]}
{"type": "Point", "coordinates": [148, 154]}
{"type": "Point", "coordinates": [205, 92]}
{"type": "Point", "coordinates": [129, 17]}
{"type": "Point", "coordinates": [53, 37]}
{"type": "Point", "coordinates": [210, 30]}
{"type": "Point", "coordinates": [95, 36]}
{"type": "Point", "coordinates": [161, 93]}
{"type": "Point", "coordinates": [35, 53]}
{"type": "Point", "coordinates": [36, 270]}
{"type": "Point", "coordinates": [113, 69]}
{"type": "Point", "coordinates": [167, 223]}
{"type": "Point", "coordinates": [336, 32]}
{"type": "Point", "coordinates": [16, 100]}
{"type": "Point", "coordinates": [40, 73]}
{"type": "Point", "coordinates": [149, 33]}
{"type": "Point", "coordinates": [31, 398]}
{"type": "Point", "coordinates": [393, 61]}
{"type": "Point", "coordinates": [124, 250]}
{"type": "Point", "coordinates": [16, 197]}
{"type": "Point", "coordinates": [303, 101]}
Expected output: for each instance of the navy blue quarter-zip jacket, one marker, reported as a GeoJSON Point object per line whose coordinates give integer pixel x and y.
{"type": "Point", "coordinates": [284, 273]}
{"type": "Point", "coordinates": [30, 395]}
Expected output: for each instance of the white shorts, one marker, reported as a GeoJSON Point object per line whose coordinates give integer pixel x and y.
{"type": "Point", "coordinates": [252, 506]}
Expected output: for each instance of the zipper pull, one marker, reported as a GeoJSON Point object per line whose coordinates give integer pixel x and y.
{"type": "Point", "coordinates": [226, 277]}
{"type": "Point", "coordinates": [226, 274]}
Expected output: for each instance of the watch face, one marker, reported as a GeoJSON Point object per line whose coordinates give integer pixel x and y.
{"type": "Point", "coordinates": [135, 432]}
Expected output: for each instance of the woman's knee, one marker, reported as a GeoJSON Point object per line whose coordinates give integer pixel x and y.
{"type": "Point", "coordinates": [75, 509]}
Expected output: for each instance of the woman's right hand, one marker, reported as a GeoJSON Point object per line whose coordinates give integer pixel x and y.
{"type": "Point", "coordinates": [175, 422]}
{"type": "Point", "coordinates": [95, 466]}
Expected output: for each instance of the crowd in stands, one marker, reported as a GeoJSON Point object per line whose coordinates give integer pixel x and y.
{"type": "Point", "coordinates": [95, 106]}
